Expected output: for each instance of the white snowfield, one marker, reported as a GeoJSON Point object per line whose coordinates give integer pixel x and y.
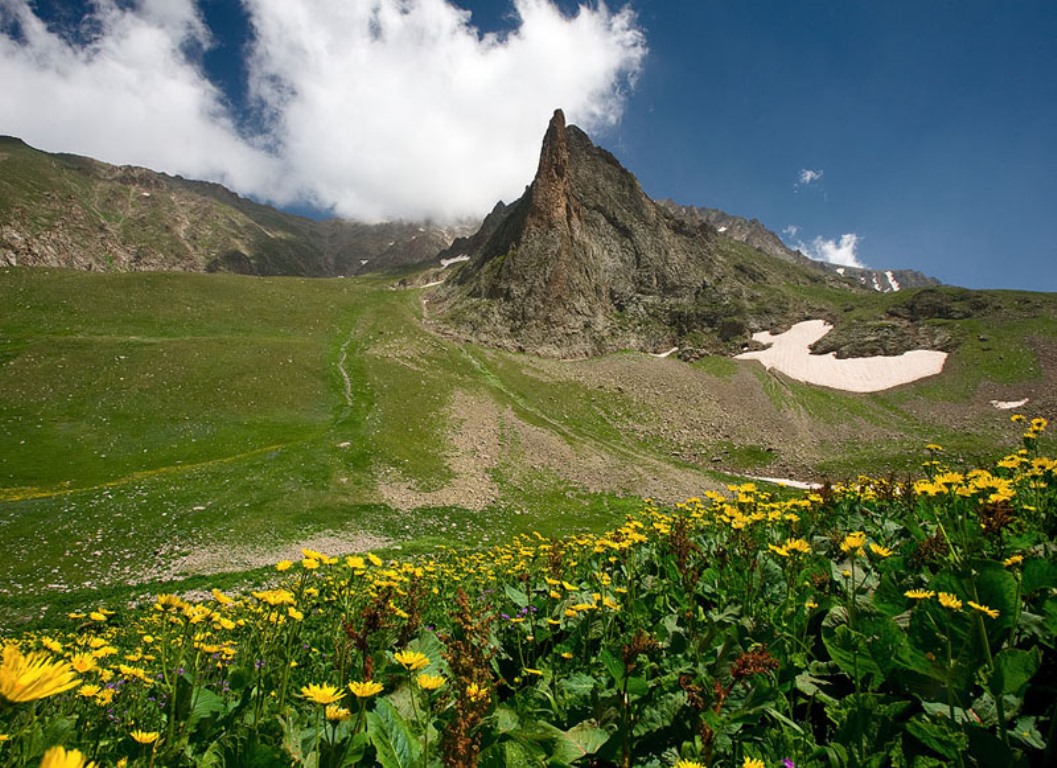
{"type": "Point", "coordinates": [789, 353]}
{"type": "Point", "coordinates": [1008, 405]}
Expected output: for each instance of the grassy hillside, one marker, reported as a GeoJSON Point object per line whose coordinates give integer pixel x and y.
{"type": "Point", "coordinates": [160, 425]}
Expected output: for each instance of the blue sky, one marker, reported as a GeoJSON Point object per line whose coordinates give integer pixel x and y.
{"type": "Point", "coordinates": [902, 134]}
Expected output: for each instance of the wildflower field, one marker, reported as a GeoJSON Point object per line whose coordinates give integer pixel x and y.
{"type": "Point", "coordinates": [875, 623]}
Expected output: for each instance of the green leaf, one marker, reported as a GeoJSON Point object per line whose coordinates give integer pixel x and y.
{"type": "Point", "coordinates": [853, 653]}
{"type": "Point", "coordinates": [940, 735]}
{"type": "Point", "coordinates": [519, 598]}
{"type": "Point", "coordinates": [581, 740]}
{"type": "Point", "coordinates": [1027, 732]}
{"type": "Point", "coordinates": [1038, 574]}
{"type": "Point", "coordinates": [392, 739]}
{"type": "Point", "coordinates": [638, 686]}
{"type": "Point", "coordinates": [614, 666]}
{"type": "Point", "coordinates": [997, 588]}
{"type": "Point", "coordinates": [1013, 669]}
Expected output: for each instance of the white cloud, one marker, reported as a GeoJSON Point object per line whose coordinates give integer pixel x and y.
{"type": "Point", "coordinates": [808, 176]}
{"type": "Point", "coordinates": [791, 230]}
{"type": "Point", "coordinates": [375, 108]}
{"type": "Point", "coordinates": [842, 251]}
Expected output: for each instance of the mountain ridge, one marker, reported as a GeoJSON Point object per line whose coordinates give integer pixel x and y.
{"type": "Point", "coordinates": [73, 211]}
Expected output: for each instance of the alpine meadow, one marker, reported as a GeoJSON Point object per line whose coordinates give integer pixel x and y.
{"type": "Point", "coordinates": [594, 480]}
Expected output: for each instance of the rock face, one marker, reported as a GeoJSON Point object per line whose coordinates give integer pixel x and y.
{"type": "Point", "coordinates": [586, 263]}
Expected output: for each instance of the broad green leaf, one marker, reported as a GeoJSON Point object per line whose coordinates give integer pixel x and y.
{"type": "Point", "coordinates": [1038, 574]}
{"type": "Point", "coordinates": [519, 598]}
{"type": "Point", "coordinates": [581, 740]}
{"type": "Point", "coordinates": [614, 666]}
{"type": "Point", "coordinates": [1026, 731]}
{"type": "Point", "coordinates": [997, 588]}
{"type": "Point", "coordinates": [204, 704]}
{"type": "Point", "coordinates": [939, 734]}
{"type": "Point", "coordinates": [638, 686]}
{"type": "Point", "coordinates": [1013, 669]}
{"type": "Point", "coordinates": [852, 652]}
{"type": "Point", "coordinates": [392, 739]}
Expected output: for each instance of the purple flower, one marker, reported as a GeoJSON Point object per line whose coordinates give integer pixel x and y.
{"type": "Point", "coordinates": [788, 763]}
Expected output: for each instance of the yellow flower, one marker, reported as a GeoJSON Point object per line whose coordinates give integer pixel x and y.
{"type": "Point", "coordinates": [919, 594]}
{"type": "Point", "coordinates": [413, 661]}
{"type": "Point", "coordinates": [947, 600]}
{"type": "Point", "coordinates": [27, 678]}
{"type": "Point", "coordinates": [221, 598]}
{"type": "Point", "coordinates": [375, 560]}
{"type": "Point", "coordinates": [144, 737]}
{"type": "Point", "coordinates": [58, 757]}
{"type": "Point", "coordinates": [853, 543]}
{"type": "Point", "coordinates": [283, 565]}
{"type": "Point", "coordinates": [322, 694]}
{"type": "Point", "coordinates": [880, 551]}
{"type": "Point", "coordinates": [688, 764]}
{"type": "Point", "coordinates": [309, 564]}
{"type": "Point", "coordinates": [336, 714]}
{"type": "Point", "coordinates": [1014, 560]}
{"type": "Point", "coordinates": [537, 672]}
{"type": "Point", "coordinates": [1016, 417]}
{"type": "Point", "coordinates": [365, 690]}
{"type": "Point", "coordinates": [429, 682]}
{"type": "Point", "coordinates": [88, 691]}
{"type": "Point", "coordinates": [356, 563]}
{"type": "Point", "coordinates": [991, 612]}
{"type": "Point", "coordinates": [474, 692]}
{"type": "Point", "coordinates": [83, 662]}
{"type": "Point", "coordinates": [752, 763]}
{"type": "Point", "coordinates": [275, 597]}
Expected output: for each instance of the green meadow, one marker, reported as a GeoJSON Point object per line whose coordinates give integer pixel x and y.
{"type": "Point", "coordinates": [161, 427]}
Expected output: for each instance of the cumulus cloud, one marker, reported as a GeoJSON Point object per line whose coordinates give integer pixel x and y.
{"type": "Point", "coordinates": [842, 251]}
{"type": "Point", "coordinates": [371, 108]}
{"type": "Point", "coordinates": [791, 230]}
{"type": "Point", "coordinates": [808, 176]}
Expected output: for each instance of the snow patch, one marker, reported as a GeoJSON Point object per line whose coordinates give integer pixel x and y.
{"type": "Point", "coordinates": [664, 354]}
{"type": "Point", "coordinates": [448, 262]}
{"type": "Point", "coordinates": [840, 271]}
{"type": "Point", "coordinates": [787, 482]}
{"type": "Point", "coordinates": [722, 229]}
{"type": "Point", "coordinates": [790, 353]}
{"type": "Point", "coordinates": [892, 280]}
{"type": "Point", "coordinates": [1008, 405]}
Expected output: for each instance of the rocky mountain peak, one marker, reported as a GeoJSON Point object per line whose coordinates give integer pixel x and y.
{"type": "Point", "coordinates": [585, 263]}
{"type": "Point", "coordinates": [550, 202]}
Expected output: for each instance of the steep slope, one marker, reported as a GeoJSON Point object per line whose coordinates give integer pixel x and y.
{"type": "Point", "coordinates": [754, 234]}
{"type": "Point", "coordinates": [71, 211]}
{"type": "Point", "coordinates": [586, 263]}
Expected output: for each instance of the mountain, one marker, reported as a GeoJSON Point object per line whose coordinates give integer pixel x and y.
{"type": "Point", "coordinates": [71, 211]}
{"type": "Point", "coordinates": [585, 263]}
{"type": "Point", "coordinates": [754, 234]}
